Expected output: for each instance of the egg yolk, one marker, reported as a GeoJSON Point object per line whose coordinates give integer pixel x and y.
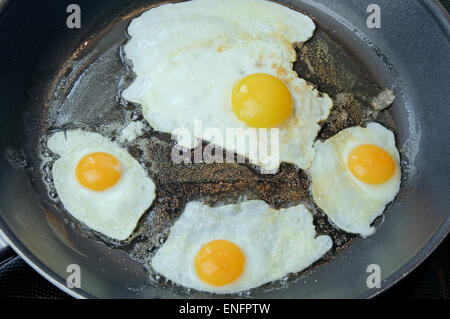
{"type": "Point", "coordinates": [262, 101]}
{"type": "Point", "coordinates": [219, 262]}
{"type": "Point", "coordinates": [371, 164]}
{"type": "Point", "coordinates": [98, 171]}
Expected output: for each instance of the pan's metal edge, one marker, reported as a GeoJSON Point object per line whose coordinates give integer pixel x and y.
{"type": "Point", "coordinates": [443, 17]}
{"type": "Point", "coordinates": [442, 8]}
{"type": "Point", "coordinates": [41, 268]}
{"type": "Point", "coordinates": [440, 13]}
{"type": "Point", "coordinates": [31, 260]}
{"type": "Point", "coordinates": [425, 252]}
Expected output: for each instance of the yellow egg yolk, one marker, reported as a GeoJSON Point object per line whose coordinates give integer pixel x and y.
{"type": "Point", "coordinates": [219, 262]}
{"type": "Point", "coordinates": [262, 101]}
{"type": "Point", "coordinates": [371, 164]}
{"type": "Point", "coordinates": [98, 171]}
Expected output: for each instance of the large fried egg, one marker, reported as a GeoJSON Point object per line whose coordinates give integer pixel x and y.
{"type": "Point", "coordinates": [355, 174]}
{"type": "Point", "coordinates": [237, 247]}
{"type": "Point", "coordinates": [228, 64]}
{"type": "Point", "coordinates": [99, 183]}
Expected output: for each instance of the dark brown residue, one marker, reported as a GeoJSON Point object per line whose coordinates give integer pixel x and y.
{"type": "Point", "coordinates": [327, 65]}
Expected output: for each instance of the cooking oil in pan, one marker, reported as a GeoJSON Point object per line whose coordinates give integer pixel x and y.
{"type": "Point", "coordinates": [88, 96]}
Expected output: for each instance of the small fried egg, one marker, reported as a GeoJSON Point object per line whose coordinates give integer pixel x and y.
{"type": "Point", "coordinates": [99, 183]}
{"type": "Point", "coordinates": [229, 65]}
{"type": "Point", "coordinates": [355, 174]}
{"type": "Point", "coordinates": [237, 247]}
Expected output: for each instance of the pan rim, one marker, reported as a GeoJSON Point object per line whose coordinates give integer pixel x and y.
{"type": "Point", "coordinates": [56, 280]}
{"type": "Point", "coordinates": [443, 17]}
{"type": "Point", "coordinates": [38, 265]}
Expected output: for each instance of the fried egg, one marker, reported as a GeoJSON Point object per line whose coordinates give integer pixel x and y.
{"type": "Point", "coordinates": [229, 65]}
{"type": "Point", "coordinates": [355, 174]}
{"type": "Point", "coordinates": [237, 247]}
{"type": "Point", "coordinates": [99, 183]}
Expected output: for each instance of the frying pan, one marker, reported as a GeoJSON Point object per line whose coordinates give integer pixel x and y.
{"type": "Point", "coordinates": [410, 53]}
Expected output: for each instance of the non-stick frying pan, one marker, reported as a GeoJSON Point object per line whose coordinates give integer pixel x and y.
{"type": "Point", "coordinates": [410, 52]}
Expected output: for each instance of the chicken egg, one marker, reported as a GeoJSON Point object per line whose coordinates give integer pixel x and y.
{"type": "Point", "coordinates": [99, 183]}
{"type": "Point", "coordinates": [237, 247]}
{"type": "Point", "coordinates": [355, 174]}
{"type": "Point", "coordinates": [229, 65]}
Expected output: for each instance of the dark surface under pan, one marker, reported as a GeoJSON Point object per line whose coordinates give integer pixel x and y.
{"type": "Point", "coordinates": [414, 224]}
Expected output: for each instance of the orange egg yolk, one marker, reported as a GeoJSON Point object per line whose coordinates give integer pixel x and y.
{"type": "Point", "coordinates": [262, 101]}
{"type": "Point", "coordinates": [98, 171]}
{"type": "Point", "coordinates": [371, 164]}
{"type": "Point", "coordinates": [219, 262]}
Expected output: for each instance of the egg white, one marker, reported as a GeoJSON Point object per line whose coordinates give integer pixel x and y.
{"type": "Point", "coordinates": [351, 204]}
{"type": "Point", "coordinates": [113, 212]}
{"type": "Point", "coordinates": [275, 243]}
{"type": "Point", "coordinates": [131, 132]}
{"type": "Point", "coordinates": [188, 56]}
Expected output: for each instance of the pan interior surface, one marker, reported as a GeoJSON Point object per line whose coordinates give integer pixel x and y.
{"type": "Point", "coordinates": [413, 225]}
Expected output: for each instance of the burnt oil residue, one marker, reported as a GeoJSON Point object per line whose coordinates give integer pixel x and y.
{"type": "Point", "coordinates": [88, 96]}
{"type": "Point", "coordinates": [324, 63]}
